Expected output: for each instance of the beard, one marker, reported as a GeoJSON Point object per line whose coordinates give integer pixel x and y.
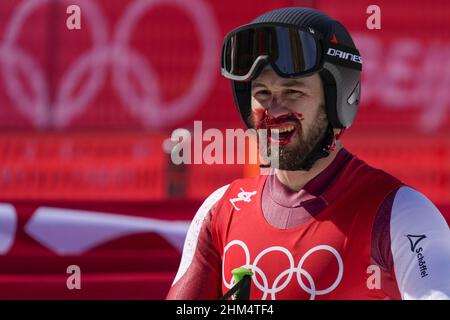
{"type": "Point", "coordinates": [298, 154]}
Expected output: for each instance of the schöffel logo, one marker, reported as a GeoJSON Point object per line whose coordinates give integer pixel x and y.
{"type": "Point", "coordinates": [344, 55]}
{"type": "Point", "coordinates": [414, 241]}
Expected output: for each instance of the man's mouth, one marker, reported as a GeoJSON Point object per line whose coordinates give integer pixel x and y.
{"type": "Point", "coordinates": [282, 133]}
{"type": "Point", "coordinates": [281, 130]}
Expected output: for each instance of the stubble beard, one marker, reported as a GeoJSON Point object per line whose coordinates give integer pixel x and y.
{"type": "Point", "coordinates": [293, 155]}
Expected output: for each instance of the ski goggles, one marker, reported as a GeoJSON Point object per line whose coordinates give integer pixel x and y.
{"type": "Point", "coordinates": [291, 51]}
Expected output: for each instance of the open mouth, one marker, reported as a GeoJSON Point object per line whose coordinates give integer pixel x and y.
{"type": "Point", "coordinates": [282, 129]}
{"type": "Point", "coordinates": [286, 133]}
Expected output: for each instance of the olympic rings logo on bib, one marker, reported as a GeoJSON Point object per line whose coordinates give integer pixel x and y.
{"type": "Point", "coordinates": [297, 270]}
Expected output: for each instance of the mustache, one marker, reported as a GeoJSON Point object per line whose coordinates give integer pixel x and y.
{"type": "Point", "coordinates": [262, 119]}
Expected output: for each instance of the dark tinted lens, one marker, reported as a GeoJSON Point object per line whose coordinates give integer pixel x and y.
{"type": "Point", "coordinates": [292, 50]}
{"type": "Point", "coordinates": [296, 50]}
{"type": "Point", "coordinates": [243, 49]}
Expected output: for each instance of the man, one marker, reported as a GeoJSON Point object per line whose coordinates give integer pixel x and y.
{"type": "Point", "coordinates": [325, 225]}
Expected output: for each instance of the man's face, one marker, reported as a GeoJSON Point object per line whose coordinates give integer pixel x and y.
{"type": "Point", "coordinates": [294, 107]}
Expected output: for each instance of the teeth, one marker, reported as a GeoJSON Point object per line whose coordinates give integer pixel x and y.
{"type": "Point", "coordinates": [287, 128]}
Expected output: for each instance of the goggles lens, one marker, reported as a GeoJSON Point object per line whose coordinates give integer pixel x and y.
{"type": "Point", "coordinates": [291, 51]}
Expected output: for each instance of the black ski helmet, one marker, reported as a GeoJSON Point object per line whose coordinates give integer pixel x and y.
{"type": "Point", "coordinates": [341, 84]}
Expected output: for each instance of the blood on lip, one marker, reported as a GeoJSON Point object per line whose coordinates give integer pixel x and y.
{"type": "Point", "coordinates": [263, 119]}
{"type": "Point", "coordinates": [281, 125]}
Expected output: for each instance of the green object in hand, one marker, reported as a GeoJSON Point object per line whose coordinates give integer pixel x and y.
{"type": "Point", "coordinates": [239, 274]}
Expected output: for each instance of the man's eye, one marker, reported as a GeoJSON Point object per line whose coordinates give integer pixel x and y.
{"type": "Point", "coordinates": [262, 93]}
{"type": "Point", "coordinates": [293, 93]}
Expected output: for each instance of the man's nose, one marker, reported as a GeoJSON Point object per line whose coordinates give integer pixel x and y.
{"type": "Point", "coordinates": [276, 108]}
